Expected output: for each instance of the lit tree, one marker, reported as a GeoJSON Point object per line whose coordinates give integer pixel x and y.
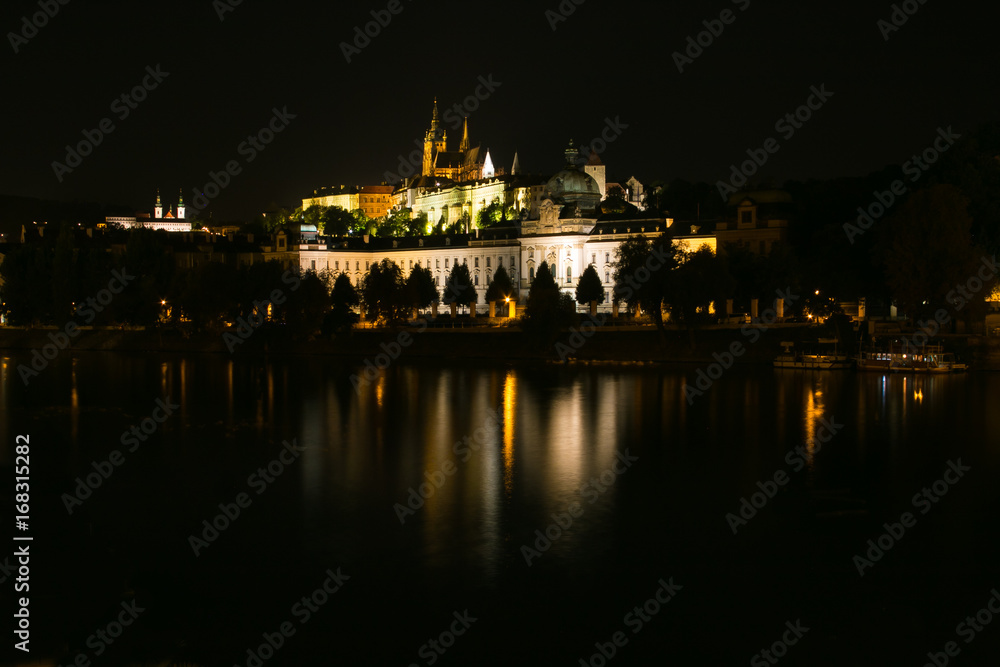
{"type": "Point", "coordinates": [383, 293]}
{"type": "Point", "coordinates": [589, 289]}
{"type": "Point", "coordinates": [458, 288]}
{"type": "Point", "coordinates": [420, 288]}
{"type": "Point", "coordinates": [343, 298]}
{"type": "Point", "coordinates": [501, 286]}
{"type": "Point", "coordinates": [548, 309]}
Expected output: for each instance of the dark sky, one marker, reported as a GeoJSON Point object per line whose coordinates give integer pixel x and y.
{"type": "Point", "coordinates": [353, 120]}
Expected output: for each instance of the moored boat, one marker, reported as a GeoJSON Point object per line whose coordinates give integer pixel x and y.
{"type": "Point", "coordinates": [824, 357]}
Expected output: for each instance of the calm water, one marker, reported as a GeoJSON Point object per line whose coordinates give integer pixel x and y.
{"type": "Point", "coordinates": [543, 434]}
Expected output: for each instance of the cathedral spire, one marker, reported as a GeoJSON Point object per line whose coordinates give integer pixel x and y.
{"type": "Point", "coordinates": [434, 116]}
{"type": "Point", "coordinates": [515, 169]}
{"type": "Point", "coordinates": [464, 146]}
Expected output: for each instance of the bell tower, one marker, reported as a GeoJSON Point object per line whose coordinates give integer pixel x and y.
{"type": "Point", "coordinates": [158, 209]}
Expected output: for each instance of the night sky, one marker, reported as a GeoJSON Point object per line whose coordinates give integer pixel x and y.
{"type": "Point", "coordinates": [353, 120]}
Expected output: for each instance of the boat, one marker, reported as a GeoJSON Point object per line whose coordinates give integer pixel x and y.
{"type": "Point", "coordinates": [824, 357]}
{"type": "Point", "coordinates": [897, 358]}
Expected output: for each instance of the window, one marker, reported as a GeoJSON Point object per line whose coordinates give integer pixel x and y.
{"type": "Point", "coordinates": [500, 261]}
{"type": "Point", "coordinates": [437, 263]}
{"type": "Point", "coordinates": [607, 277]}
{"type": "Point", "coordinates": [437, 281]}
{"type": "Point", "coordinates": [512, 261]}
{"type": "Point", "coordinates": [357, 265]}
{"type": "Point", "coordinates": [593, 258]}
{"type": "Point", "coordinates": [607, 257]}
{"type": "Point", "coordinates": [746, 217]}
{"type": "Point", "coordinates": [569, 274]}
{"type": "Point", "coordinates": [531, 273]}
{"type": "Point", "coordinates": [488, 262]}
{"type": "Point", "coordinates": [446, 262]}
{"type": "Point", "coordinates": [477, 262]}
{"type": "Point", "coordinates": [411, 265]}
{"type": "Point", "coordinates": [477, 280]}
{"type": "Point", "coordinates": [367, 265]}
{"type": "Point", "coordinates": [313, 265]}
{"type": "Point", "coordinates": [337, 265]}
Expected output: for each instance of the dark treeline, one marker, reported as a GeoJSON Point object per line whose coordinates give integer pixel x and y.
{"type": "Point", "coordinates": [53, 281]}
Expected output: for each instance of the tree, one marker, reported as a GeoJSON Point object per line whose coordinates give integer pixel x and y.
{"type": "Point", "coordinates": [362, 223]}
{"type": "Point", "coordinates": [641, 273]}
{"type": "Point", "coordinates": [458, 288]}
{"type": "Point", "coordinates": [501, 286]}
{"type": "Point", "coordinates": [335, 221]}
{"type": "Point", "coordinates": [589, 287]}
{"type": "Point", "coordinates": [931, 250]}
{"type": "Point", "coordinates": [383, 293]}
{"type": "Point", "coordinates": [343, 298]}
{"type": "Point", "coordinates": [693, 286]}
{"type": "Point", "coordinates": [548, 310]}
{"type": "Point", "coordinates": [305, 306]}
{"type": "Point", "coordinates": [314, 215]}
{"type": "Point", "coordinates": [420, 288]}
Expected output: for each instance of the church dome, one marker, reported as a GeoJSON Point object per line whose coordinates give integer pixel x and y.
{"type": "Point", "coordinates": [574, 187]}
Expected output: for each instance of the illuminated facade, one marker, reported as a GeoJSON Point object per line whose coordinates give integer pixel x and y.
{"type": "Point", "coordinates": [375, 200]}
{"type": "Point", "coordinates": [159, 221]}
{"type": "Point", "coordinates": [559, 226]}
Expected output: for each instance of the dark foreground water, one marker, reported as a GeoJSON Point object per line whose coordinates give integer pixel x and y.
{"type": "Point", "coordinates": [641, 481]}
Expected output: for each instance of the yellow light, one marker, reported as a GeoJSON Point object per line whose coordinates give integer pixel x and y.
{"type": "Point", "coordinates": [817, 292]}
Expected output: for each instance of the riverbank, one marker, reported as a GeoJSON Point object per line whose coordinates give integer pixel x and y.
{"type": "Point", "coordinates": [625, 344]}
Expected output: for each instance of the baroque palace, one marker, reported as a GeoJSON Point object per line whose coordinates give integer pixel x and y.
{"type": "Point", "coordinates": [558, 220]}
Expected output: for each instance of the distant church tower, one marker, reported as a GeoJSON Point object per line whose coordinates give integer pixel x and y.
{"type": "Point", "coordinates": [158, 210]}
{"type": "Point", "coordinates": [180, 206]}
{"type": "Point", "coordinates": [434, 141]}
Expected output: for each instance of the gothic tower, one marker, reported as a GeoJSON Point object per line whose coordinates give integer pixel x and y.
{"type": "Point", "coordinates": [158, 209]}
{"type": "Point", "coordinates": [434, 141]}
{"type": "Point", "coordinates": [180, 206]}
